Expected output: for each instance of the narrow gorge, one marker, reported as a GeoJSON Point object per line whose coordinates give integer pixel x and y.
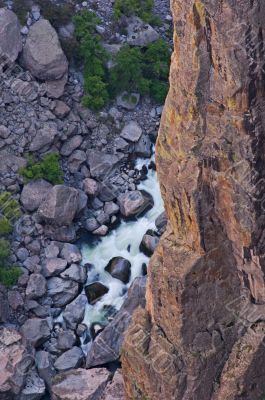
{"type": "Point", "coordinates": [201, 334]}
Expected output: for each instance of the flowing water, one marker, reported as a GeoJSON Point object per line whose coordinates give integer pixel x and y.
{"type": "Point", "coordinates": [123, 241]}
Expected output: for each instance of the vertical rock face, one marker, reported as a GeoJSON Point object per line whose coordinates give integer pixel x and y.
{"type": "Point", "coordinates": [202, 332]}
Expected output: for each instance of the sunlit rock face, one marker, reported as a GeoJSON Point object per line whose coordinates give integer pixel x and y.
{"type": "Point", "coordinates": [201, 334]}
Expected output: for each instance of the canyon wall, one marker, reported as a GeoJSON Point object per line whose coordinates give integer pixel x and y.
{"type": "Point", "coordinates": [201, 334]}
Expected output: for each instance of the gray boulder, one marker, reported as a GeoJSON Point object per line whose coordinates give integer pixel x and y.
{"type": "Point", "coordinates": [34, 193]}
{"type": "Point", "coordinates": [43, 138]}
{"type": "Point", "coordinates": [34, 388]}
{"type": "Point", "coordinates": [85, 384]}
{"type": "Point", "coordinates": [107, 345]}
{"type": "Point", "coordinates": [60, 206]}
{"type": "Point", "coordinates": [62, 291]}
{"type": "Point", "coordinates": [140, 33]}
{"type": "Point", "coordinates": [10, 162]}
{"type": "Point", "coordinates": [75, 311]}
{"type": "Point", "coordinates": [36, 286]}
{"type": "Point", "coordinates": [66, 340]}
{"type": "Point", "coordinates": [70, 359]}
{"type": "Point", "coordinates": [129, 101]}
{"type": "Point", "coordinates": [54, 266]}
{"type": "Point", "coordinates": [36, 331]}
{"type": "Point", "coordinates": [71, 253]}
{"type": "Point", "coordinates": [76, 273]}
{"type": "Point", "coordinates": [70, 145]}
{"type": "Point", "coordinates": [42, 54]}
{"type": "Point", "coordinates": [45, 366]}
{"type": "Point", "coordinates": [135, 203]}
{"type": "Point", "coordinates": [101, 165]}
{"type": "Point", "coordinates": [115, 389]}
{"type": "Point", "coordinates": [149, 243]}
{"type": "Point", "coordinates": [10, 38]}
{"type": "Point", "coordinates": [132, 131]}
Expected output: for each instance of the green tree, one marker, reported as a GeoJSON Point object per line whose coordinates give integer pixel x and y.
{"type": "Point", "coordinates": [48, 168]}
{"type": "Point", "coordinates": [140, 8]}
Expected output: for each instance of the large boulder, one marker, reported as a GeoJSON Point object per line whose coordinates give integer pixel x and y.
{"type": "Point", "coordinates": [70, 359]}
{"type": "Point", "coordinates": [36, 286]}
{"type": "Point", "coordinates": [149, 243]}
{"type": "Point", "coordinates": [42, 54]}
{"type": "Point", "coordinates": [54, 266]}
{"type": "Point", "coordinates": [62, 291]}
{"type": "Point", "coordinates": [107, 345]}
{"type": "Point", "coordinates": [75, 311]}
{"type": "Point", "coordinates": [135, 203]}
{"type": "Point", "coordinates": [60, 206]}
{"type": "Point", "coordinates": [95, 291]}
{"type": "Point", "coordinates": [10, 38]}
{"type": "Point", "coordinates": [34, 193]}
{"type": "Point", "coordinates": [119, 268]}
{"type": "Point", "coordinates": [43, 138]}
{"type": "Point", "coordinates": [101, 164]}
{"type": "Point", "coordinates": [36, 331]}
{"type": "Point", "coordinates": [132, 131]}
{"type": "Point", "coordinates": [140, 33]}
{"type": "Point", "coordinates": [80, 384]}
{"type": "Point", "coordinates": [10, 162]}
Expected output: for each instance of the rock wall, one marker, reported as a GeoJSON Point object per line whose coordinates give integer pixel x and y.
{"type": "Point", "coordinates": [201, 334]}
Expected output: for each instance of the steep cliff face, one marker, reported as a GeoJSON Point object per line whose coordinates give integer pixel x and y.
{"type": "Point", "coordinates": [201, 334]}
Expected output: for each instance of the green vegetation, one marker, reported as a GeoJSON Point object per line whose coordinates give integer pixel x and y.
{"type": "Point", "coordinates": [140, 8]}
{"type": "Point", "coordinates": [49, 169]}
{"type": "Point", "coordinates": [5, 226]}
{"type": "Point", "coordinates": [94, 57]}
{"type": "Point", "coordinates": [57, 14]}
{"type": "Point", "coordinates": [143, 70]}
{"type": "Point", "coordinates": [9, 207]}
{"type": "Point", "coordinates": [9, 275]}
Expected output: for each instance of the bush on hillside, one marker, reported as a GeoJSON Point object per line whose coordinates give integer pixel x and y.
{"type": "Point", "coordinates": [49, 169]}
{"type": "Point", "coordinates": [9, 207]}
{"type": "Point", "coordinates": [5, 226]}
{"type": "Point", "coordinates": [140, 8]}
{"type": "Point", "coordinates": [9, 275]}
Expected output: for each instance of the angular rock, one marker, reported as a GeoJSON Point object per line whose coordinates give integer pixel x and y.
{"type": "Point", "coordinates": [75, 311]}
{"type": "Point", "coordinates": [101, 231]}
{"type": "Point", "coordinates": [70, 145]}
{"type": "Point", "coordinates": [85, 384]}
{"type": "Point", "coordinates": [54, 266]}
{"type": "Point", "coordinates": [115, 389]}
{"type": "Point", "coordinates": [61, 109]}
{"type": "Point", "coordinates": [55, 89]}
{"type": "Point", "coordinates": [111, 208]}
{"type": "Point", "coordinates": [45, 367]}
{"type": "Point", "coordinates": [34, 193]}
{"type": "Point", "coordinates": [36, 331]}
{"type": "Point", "coordinates": [42, 54]}
{"type": "Point", "coordinates": [91, 224]}
{"type": "Point", "coordinates": [101, 165]}
{"type": "Point", "coordinates": [75, 160]}
{"type": "Point", "coordinates": [52, 250]}
{"type": "Point", "coordinates": [9, 162]}
{"type": "Point", "coordinates": [161, 222]}
{"type": "Point", "coordinates": [143, 148]}
{"type": "Point", "coordinates": [140, 33]}
{"type": "Point", "coordinates": [66, 340]}
{"type": "Point", "coordinates": [76, 273]}
{"type": "Point", "coordinates": [36, 286]}
{"type": "Point", "coordinates": [44, 137]}
{"type": "Point", "coordinates": [135, 203]}
{"type": "Point", "coordinates": [60, 206]}
{"type": "Point", "coordinates": [132, 131]}
{"type": "Point", "coordinates": [62, 291]}
{"type": "Point", "coordinates": [71, 253]}
{"type": "Point", "coordinates": [119, 268]}
{"type": "Point", "coordinates": [95, 291]}
{"type": "Point", "coordinates": [90, 186]}
{"type": "Point", "coordinates": [107, 345]}
{"type": "Point", "coordinates": [149, 243]}
{"type": "Point", "coordinates": [34, 388]}
{"type": "Point", "coordinates": [10, 38]}
{"type": "Point", "coordinates": [70, 359]}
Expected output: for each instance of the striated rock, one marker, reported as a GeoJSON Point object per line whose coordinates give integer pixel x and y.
{"type": "Point", "coordinates": [201, 335]}
{"type": "Point", "coordinates": [84, 384]}
{"type": "Point", "coordinates": [119, 268]}
{"type": "Point", "coordinates": [70, 359]}
{"type": "Point", "coordinates": [107, 345]}
{"type": "Point", "coordinates": [42, 54]}
{"type": "Point", "coordinates": [10, 38]}
{"type": "Point", "coordinates": [36, 331]}
{"type": "Point", "coordinates": [60, 206]}
{"type": "Point", "coordinates": [135, 203]}
{"type": "Point", "coordinates": [34, 193]}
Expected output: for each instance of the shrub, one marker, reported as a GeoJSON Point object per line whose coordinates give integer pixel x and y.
{"type": "Point", "coordinates": [49, 169]}
{"type": "Point", "coordinates": [4, 250]}
{"type": "Point", "coordinates": [94, 57]}
{"type": "Point", "coordinates": [57, 14]}
{"type": "Point", "coordinates": [5, 226]}
{"type": "Point", "coordinates": [9, 207]}
{"type": "Point", "coordinates": [141, 8]}
{"type": "Point", "coordinates": [9, 275]}
{"type": "Point", "coordinates": [21, 9]}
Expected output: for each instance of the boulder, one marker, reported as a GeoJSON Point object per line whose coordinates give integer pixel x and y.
{"type": "Point", "coordinates": [61, 109]}
{"type": "Point", "coordinates": [85, 384]}
{"type": "Point", "coordinates": [14, 361]}
{"type": "Point", "coordinates": [101, 231]}
{"type": "Point", "coordinates": [60, 206]}
{"type": "Point", "coordinates": [54, 266]}
{"type": "Point", "coordinates": [119, 268]}
{"type": "Point", "coordinates": [107, 345]}
{"type": "Point", "coordinates": [76, 273]}
{"type": "Point", "coordinates": [45, 366]}
{"type": "Point", "coordinates": [42, 54]}
{"type": "Point", "coordinates": [70, 359]}
{"type": "Point", "coordinates": [66, 340]}
{"type": "Point", "coordinates": [43, 138]}
{"type": "Point", "coordinates": [90, 187]}
{"type": "Point", "coordinates": [75, 160]}
{"type": "Point", "coordinates": [75, 311]}
{"type": "Point", "coordinates": [52, 250]}
{"type": "Point", "coordinates": [34, 193]}
{"type": "Point", "coordinates": [101, 164]}
{"type": "Point", "coordinates": [36, 286]}
{"type": "Point", "coordinates": [34, 388]}
{"type": "Point", "coordinates": [95, 291]}
{"type": "Point", "coordinates": [143, 148]}
{"type": "Point", "coordinates": [62, 291]}
{"type": "Point", "coordinates": [55, 89]}
{"type": "Point", "coordinates": [161, 222]}
{"type": "Point", "coordinates": [111, 208]}
{"type": "Point", "coordinates": [91, 224]}
{"type": "Point", "coordinates": [135, 203]}
{"type": "Point", "coordinates": [129, 101]}
{"type": "Point", "coordinates": [10, 38]}
{"type": "Point", "coordinates": [9, 162]}
{"type": "Point", "coordinates": [71, 253]}
{"type": "Point", "coordinates": [149, 243]}
{"type": "Point", "coordinates": [36, 331]}
{"type": "Point", "coordinates": [140, 33]}
{"type": "Point", "coordinates": [70, 145]}
{"type": "Point", "coordinates": [131, 131]}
